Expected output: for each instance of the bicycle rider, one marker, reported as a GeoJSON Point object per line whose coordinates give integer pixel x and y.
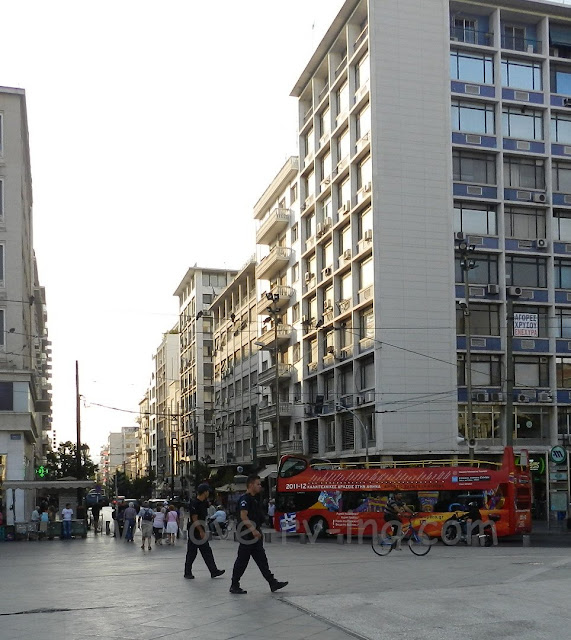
{"type": "Point", "coordinates": [394, 508]}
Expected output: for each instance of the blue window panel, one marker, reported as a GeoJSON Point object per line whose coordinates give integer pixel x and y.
{"type": "Point", "coordinates": [562, 82]}
{"type": "Point", "coordinates": [559, 200]}
{"type": "Point", "coordinates": [563, 397]}
{"type": "Point", "coordinates": [488, 142]}
{"type": "Point", "coordinates": [461, 189]}
{"type": "Point", "coordinates": [541, 345]}
{"type": "Point", "coordinates": [559, 150]}
{"type": "Point", "coordinates": [556, 101]}
{"type": "Point", "coordinates": [560, 297]}
{"type": "Point", "coordinates": [534, 147]}
{"type": "Point", "coordinates": [561, 247]}
{"type": "Point", "coordinates": [562, 346]}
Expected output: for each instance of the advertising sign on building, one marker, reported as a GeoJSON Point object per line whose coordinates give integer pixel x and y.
{"type": "Point", "coordinates": [526, 325]}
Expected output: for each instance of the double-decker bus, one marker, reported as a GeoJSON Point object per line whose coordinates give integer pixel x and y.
{"type": "Point", "coordinates": [316, 497]}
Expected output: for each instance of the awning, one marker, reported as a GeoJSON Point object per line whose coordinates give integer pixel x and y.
{"type": "Point", "coordinates": [43, 485]}
{"type": "Point", "coordinates": [270, 471]}
{"type": "Point", "coordinates": [560, 36]}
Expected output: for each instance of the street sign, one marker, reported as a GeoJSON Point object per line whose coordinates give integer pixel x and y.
{"type": "Point", "coordinates": [536, 465]}
{"type": "Point", "coordinates": [558, 455]}
{"type": "Point", "coordinates": [526, 325]}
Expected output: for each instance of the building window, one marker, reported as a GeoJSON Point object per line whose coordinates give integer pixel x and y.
{"type": "Point", "coordinates": [521, 173]}
{"type": "Point", "coordinates": [343, 146]}
{"type": "Point", "coordinates": [475, 218]}
{"type": "Point", "coordinates": [521, 75]}
{"type": "Point", "coordinates": [524, 223]}
{"type": "Point", "coordinates": [296, 352]}
{"type": "Point", "coordinates": [471, 68]}
{"type": "Point", "coordinates": [526, 272]}
{"type": "Point", "coordinates": [342, 99]}
{"type": "Point", "coordinates": [513, 37]}
{"type": "Point", "coordinates": [532, 422]}
{"type": "Point", "coordinates": [562, 269]}
{"type": "Point", "coordinates": [295, 272]}
{"type": "Point", "coordinates": [561, 128]}
{"type": "Point", "coordinates": [562, 323]}
{"type": "Point", "coordinates": [561, 80]}
{"type": "Point", "coordinates": [330, 435]}
{"type": "Point", "coordinates": [326, 169]}
{"type": "Point", "coordinates": [2, 328]}
{"type": "Point", "coordinates": [344, 193]}
{"type": "Point", "coordinates": [561, 177]}
{"type": "Point", "coordinates": [540, 312]}
{"type": "Point", "coordinates": [526, 125]}
{"type": "Point", "coordinates": [1, 182]}
{"type": "Point", "coordinates": [464, 29]}
{"type": "Point", "coordinates": [308, 144]}
{"type": "Point", "coordinates": [7, 397]}
{"type": "Point", "coordinates": [485, 273]}
{"type": "Point", "coordinates": [367, 375]}
{"type": "Point", "coordinates": [474, 167]}
{"type": "Point", "coordinates": [367, 323]}
{"type": "Point", "coordinates": [2, 264]}
{"type": "Point", "coordinates": [366, 274]}
{"type": "Point", "coordinates": [484, 320]}
{"type": "Point", "coordinates": [472, 117]}
{"type": "Point", "coordinates": [362, 72]}
{"type": "Point", "coordinates": [294, 233]}
{"type": "Point", "coordinates": [293, 193]}
{"type": "Point", "coordinates": [364, 173]}
{"type": "Point", "coordinates": [563, 366]}
{"type": "Point", "coordinates": [485, 371]}
{"type": "Point", "coordinates": [531, 371]}
{"type": "Point", "coordinates": [324, 122]}
{"type": "Point", "coordinates": [363, 122]}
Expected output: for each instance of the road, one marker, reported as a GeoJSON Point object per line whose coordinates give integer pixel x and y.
{"type": "Point", "coordinates": [102, 588]}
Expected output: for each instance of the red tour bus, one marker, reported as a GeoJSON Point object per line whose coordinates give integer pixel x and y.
{"type": "Point", "coordinates": [319, 496]}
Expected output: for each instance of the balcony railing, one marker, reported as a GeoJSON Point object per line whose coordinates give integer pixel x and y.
{"type": "Point", "coordinates": [291, 446]}
{"type": "Point", "coordinates": [285, 296]}
{"type": "Point", "coordinates": [271, 265]}
{"type": "Point", "coordinates": [469, 36]}
{"type": "Point", "coordinates": [276, 222]}
{"type": "Point", "coordinates": [268, 411]}
{"type": "Point", "coordinates": [268, 337]}
{"type": "Point", "coordinates": [269, 375]}
{"type": "Point", "coordinates": [529, 45]}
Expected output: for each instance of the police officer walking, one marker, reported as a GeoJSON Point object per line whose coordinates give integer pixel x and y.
{"type": "Point", "coordinates": [250, 519]}
{"type": "Point", "coordinates": [197, 535]}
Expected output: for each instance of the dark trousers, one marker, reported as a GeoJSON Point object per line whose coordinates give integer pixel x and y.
{"type": "Point", "coordinates": [257, 552]}
{"type": "Point", "coordinates": [66, 525]}
{"type": "Point", "coordinates": [192, 550]}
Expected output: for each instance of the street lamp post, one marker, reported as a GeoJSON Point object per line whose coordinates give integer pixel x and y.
{"type": "Point", "coordinates": [342, 408]}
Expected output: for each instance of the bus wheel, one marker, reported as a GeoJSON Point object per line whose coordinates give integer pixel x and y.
{"type": "Point", "coordinates": [318, 527]}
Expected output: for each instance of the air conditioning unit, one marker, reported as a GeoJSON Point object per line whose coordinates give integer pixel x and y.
{"type": "Point", "coordinates": [540, 197]}
{"type": "Point", "coordinates": [497, 397]}
{"type": "Point", "coordinates": [327, 272]}
{"type": "Point", "coordinates": [368, 235]}
{"type": "Point", "coordinates": [493, 289]}
{"type": "Point", "coordinates": [346, 207]}
{"type": "Point", "coordinates": [327, 223]}
{"type": "Point", "coordinates": [480, 396]}
{"type": "Point", "coordinates": [370, 396]}
{"type": "Point", "coordinates": [308, 276]}
{"type": "Point", "coordinates": [319, 230]}
{"type": "Point", "coordinates": [541, 243]}
{"type": "Point", "coordinates": [459, 235]}
{"type": "Point", "coordinates": [515, 291]}
{"type": "Point", "coordinates": [567, 102]}
{"type": "Point", "coordinates": [520, 397]}
{"type": "Point", "coordinates": [328, 304]}
{"type": "Point", "coordinates": [544, 396]}
{"type": "Point", "coordinates": [359, 399]}
{"type": "Point", "coordinates": [347, 254]}
{"type": "Point", "coordinates": [367, 187]}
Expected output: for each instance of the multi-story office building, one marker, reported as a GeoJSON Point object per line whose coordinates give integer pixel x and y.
{"type": "Point", "coordinates": [419, 121]}
{"type": "Point", "coordinates": [236, 356]}
{"type": "Point", "coordinates": [279, 271]}
{"type": "Point", "coordinates": [196, 292]}
{"type": "Point", "coordinates": [121, 447]}
{"type": "Point", "coordinates": [25, 399]}
{"type": "Point", "coordinates": [143, 453]}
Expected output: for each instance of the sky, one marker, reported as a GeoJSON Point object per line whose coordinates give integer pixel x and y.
{"type": "Point", "coordinates": [154, 129]}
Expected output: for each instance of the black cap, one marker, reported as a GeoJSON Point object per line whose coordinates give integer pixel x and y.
{"type": "Point", "coordinates": [202, 488]}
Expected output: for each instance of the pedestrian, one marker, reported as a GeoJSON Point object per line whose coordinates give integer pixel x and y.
{"type": "Point", "coordinates": [66, 516]}
{"type": "Point", "coordinates": [146, 517]}
{"type": "Point", "coordinates": [172, 524]}
{"type": "Point", "coordinates": [211, 509]}
{"type": "Point", "coordinates": [95, 511]}
{"type": "Point", "coordinates": [158, 526]}
{"type": "Point", "coordinates": [250, 520]}
{"type": "Point", "coordinates": [197, 535]}
{"type": "Point", "coordinates": [271, 511]}
{"type": "Point", "coordinates": [35, 520]}
{"type": "Point", "coordinates": [130, 519]}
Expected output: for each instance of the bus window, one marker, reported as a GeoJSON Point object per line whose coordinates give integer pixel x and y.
{"type": "Point", "coordinates": [293, 502]}
{"type": "Point", "coordinates": [292, 466]}
{"type": "Point", "coordinates": [523, 498]}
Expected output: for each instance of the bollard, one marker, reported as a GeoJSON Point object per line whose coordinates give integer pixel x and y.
{"type": "Point", "coordinates": [267, 536]}
{"type": "Point", "coordinates": [303, 538]}
{"type": "Point", "coordinates": [184, 534]}
{"type": "Point", "coordinates": [340, 538]}
{"type": "Point", "coordinates": [107, 528]}
{"type": "Point", "coordinates": [526, 540]}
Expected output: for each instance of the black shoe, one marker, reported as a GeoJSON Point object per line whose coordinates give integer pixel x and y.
{"type": "Point", "coordinates": [278, 585]}
{"type": "Point", "coordinates": [218, 573]}
{"type": "Point", "coordinates": [238, 590]}
{"type": "Point", "coordinates": [189, 576]}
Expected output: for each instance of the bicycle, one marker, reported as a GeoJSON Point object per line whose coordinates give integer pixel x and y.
{"type": "Point", "coordinates": [418, 542]}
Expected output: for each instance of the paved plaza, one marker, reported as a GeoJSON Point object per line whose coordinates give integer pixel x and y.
{"type": "Point", "coordinates": [105, 588]}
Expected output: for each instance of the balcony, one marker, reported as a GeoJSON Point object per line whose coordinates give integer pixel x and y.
{"type": "Point", "coordinates": [268, 337]}
{"type": "Point", "coordinates": [273, 263]}
{"type": "Point", "coordinates": [285, 296]}
{"type": "Point", "coordinates": [268, 376]}
{"type": "Point", "coordinates": [291, 446]}
{"type": "Point", "coordinates": [267, 412]}
{"type": "Point", "coordinates": [529, 45]}
{"type": "Point", "coordinates": [469, 36]}
{"type": "Point", "coordinates": [274, 224]}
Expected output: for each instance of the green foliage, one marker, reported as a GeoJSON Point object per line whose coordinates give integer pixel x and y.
{"type": "Point", "coordinates": [62, 462]}
{"type": "Point", "coordinates": [136, 488]}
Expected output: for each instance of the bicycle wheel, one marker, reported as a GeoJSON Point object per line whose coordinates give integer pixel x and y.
{"type": "Point", "coordinates": [382, 545]}
{"type": "Point", "coordinates": [419, 543]}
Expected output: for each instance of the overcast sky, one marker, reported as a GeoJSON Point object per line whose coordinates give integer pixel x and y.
{"type": "Point", "coordinates": [154, 128]}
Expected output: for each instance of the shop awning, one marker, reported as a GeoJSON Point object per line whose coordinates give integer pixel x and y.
{"type": "Point", "coordinates": [560, 36]}
{"type": "Point", "coordinates": [270, 471]}
{"type": "Point", "coordinates": [51, 485]}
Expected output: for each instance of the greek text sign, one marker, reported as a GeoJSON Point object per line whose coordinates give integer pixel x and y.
{"type": "Point", "coordinates": [526, 325]}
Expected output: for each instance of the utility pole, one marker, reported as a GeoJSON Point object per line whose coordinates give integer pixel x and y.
{"type": "Point", "coordinates": [254, 423]}
{"type": "Point", "coordinates": [467, 263]}
{"type": "Point", "coordinates": [510, 373]}
{"type": "Point", "coordinates": [79, 470]}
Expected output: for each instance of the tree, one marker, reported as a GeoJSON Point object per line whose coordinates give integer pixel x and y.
{"type": "Point", "coordinates": [62, 463]}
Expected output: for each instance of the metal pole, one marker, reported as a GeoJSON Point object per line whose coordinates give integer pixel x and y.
{"type": "Point", "coordinates": [172, 465]}
{"type": "Point", "coordinates": [278, 444]}
{"type": "Point", "coordinates": [467, 331]}
{"type": "Point", "coordinates": [510, 374]}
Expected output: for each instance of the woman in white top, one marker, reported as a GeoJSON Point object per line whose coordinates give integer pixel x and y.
{"type": "Point", "coordinates": [158, 526]}
{"type": "Point", "coordinates": [172, 524]}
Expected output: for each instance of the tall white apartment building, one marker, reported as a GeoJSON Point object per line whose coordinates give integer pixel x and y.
{"type": "Point", "coordinates": [196, 292]}
{"type": "Point", "coordinates": [25, 389]}
{"type": "Point", "coordinates": [421, 125]}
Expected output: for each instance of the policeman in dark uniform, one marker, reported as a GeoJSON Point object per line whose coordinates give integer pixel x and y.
{"type": "Point", "coordinates": [197, 536]}
{"type": "Point", "coordinates": [250, 519]}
